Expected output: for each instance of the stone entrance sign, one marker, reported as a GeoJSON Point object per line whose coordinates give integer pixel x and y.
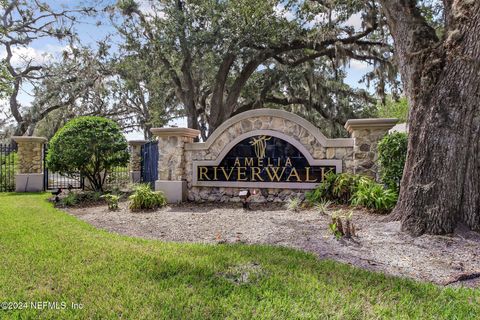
{"type": "Point", "coordinates": [274, 151]}
{"type": "Point", "coordinates": [264, 159]}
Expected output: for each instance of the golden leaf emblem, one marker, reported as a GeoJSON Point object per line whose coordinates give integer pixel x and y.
{"type": "Point", "coordinates": [260, 145]}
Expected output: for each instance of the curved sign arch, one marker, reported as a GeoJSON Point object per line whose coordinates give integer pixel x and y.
{"type": "Point", "coordinates": [264, 159]}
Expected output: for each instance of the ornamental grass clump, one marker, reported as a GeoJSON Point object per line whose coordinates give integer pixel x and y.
{"type": "Point", "coordinates": [144, 198]}
{"type": "Point", "coordinates": [323, 206]}
{"type": "Point", "coordinates": [293, 204]}
{"type": "Point", "coordinates": [353, 189]}
{"type": "Point", "coordinates": [337, 188]}
{"type": "Point", "coordinates": [372, 195]}
{"type": "Point", "coordinates": [112, 201]}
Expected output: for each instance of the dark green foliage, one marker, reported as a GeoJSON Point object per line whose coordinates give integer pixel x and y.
{"type": "Point", "coordinates": [354, 189]}
{"type": "Point", "coordinates": [335, 187]}
{"type": "Point", "coordinates": [89, 197]}
{"type": "Point", "coordinates": [392, 152]}
{"type": "Point", "coordinates": [145, 199]}
{"type": "Point", "coordinates": [345, 186]}
{"type": "Point", "coordinates": [394, 109]}
{"type": "Point", "coordinates": [92, 146]}
{"type": "Point", "coordinates": [70, 200]}
{"type": "Point", "coordinates": [372, 195]}
{"type": "Point", "coordinates": [324, 191]}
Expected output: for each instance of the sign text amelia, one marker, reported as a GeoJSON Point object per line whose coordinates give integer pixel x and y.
{"type": "Point", "coordinates": [264, 160]}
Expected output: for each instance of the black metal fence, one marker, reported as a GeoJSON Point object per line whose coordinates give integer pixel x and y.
{"type": "Point", "coordinates": [118, 177]}
{"type": "Point", "coordinates": [8, 166]}
{"type": "Point", "coordinates": [149, 154]}
{"type": "Point", "coordinates": [56, 180]}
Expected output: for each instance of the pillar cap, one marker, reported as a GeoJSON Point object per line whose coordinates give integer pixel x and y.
{"type": "Point", "coordinates": [18, 139]}
{"type": "Point", "coordinates": [137, 142]}
{"type": "Point", "coordinates": [175, 132]}
{"type": "Point", "coordinates": [370, 123]}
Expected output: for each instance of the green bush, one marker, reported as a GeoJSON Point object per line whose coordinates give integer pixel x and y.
{"type": "Point", "coordinates": [89, 196]}
{"type": "Point", "coordinates": [324, 191]}
{"type": "Point", "coordinates": [335, 187]}
{"type": "Point", "coordinates": [91, 146]}
{"type": "Point", "coordinates": [144, 198]}
{"type": "Point", "coordinates": [358, 190]}
{"type": "Point", "coordinates": [392, 152]}
{"type": "Point", "coordinates": [345, 186]}
{"type": "Point", "coordinates": [70, 200]}
{"type": "Point", "coordinates": [112, 201]}
{"type": "Point", "coordinates": [372, 195]}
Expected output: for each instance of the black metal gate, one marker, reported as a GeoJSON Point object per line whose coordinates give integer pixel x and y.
{"type": "Point", "coordinates": [8, 164]}
{"type": "Point", "coordinates": [55, 180]}
{"type": "Point", "coordinates": [149, 154]}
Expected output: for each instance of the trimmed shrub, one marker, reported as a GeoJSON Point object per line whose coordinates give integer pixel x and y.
{"type": "Point", "coordinates": [372, 195]}
{"type": "Point", "coordinates": [144, 198]}
{"type": "Point", "coordinates": [392, 152]}
{"type": "Point", "coordinates": [91, 146]}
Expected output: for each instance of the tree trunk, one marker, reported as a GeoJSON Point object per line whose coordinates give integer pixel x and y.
{"type": "Point", "coordinates": [441, 182]}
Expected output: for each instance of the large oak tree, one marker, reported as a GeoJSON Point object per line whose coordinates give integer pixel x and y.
{"type": "Point", "coordinates": [21, 24]}
{"type": "Point", "coordinates": [441, 75]}
{"type": "Point", "coordinates": [213, 50]}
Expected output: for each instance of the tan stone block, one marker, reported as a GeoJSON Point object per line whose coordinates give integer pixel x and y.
{"type": "Point", "coordinates": [330, 153]}
{"type": "Point", "coordinates": [318, 153]}
{"type": "Point", "coordinates": [266, 123]}
{"type": "Point", "coordinates": [246, 125]}
{"type": "Point", "coordinates": [277, 124]}
{"type": "Point", "coordinates": [340, 153]}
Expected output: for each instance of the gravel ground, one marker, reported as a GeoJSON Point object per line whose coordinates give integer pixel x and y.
{"type": "Point", "coordinates": [378, 245]}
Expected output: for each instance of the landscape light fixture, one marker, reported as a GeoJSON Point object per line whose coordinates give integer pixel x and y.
{"type": "Point", "coordinates": [244, 195]}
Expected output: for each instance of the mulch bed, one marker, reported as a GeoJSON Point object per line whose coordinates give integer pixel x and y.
{"type": "Point", "coordinates": [378, 246]}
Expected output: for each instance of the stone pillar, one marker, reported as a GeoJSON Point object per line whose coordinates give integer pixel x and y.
{"type": "Point", "coordinates": [29, 177]}
{"type": "Point", "coordinates": [366, 134]}
{"type": "Point", "coordinates": [136, 160]}
{"type": "Point", "coordinates": [171, 161]}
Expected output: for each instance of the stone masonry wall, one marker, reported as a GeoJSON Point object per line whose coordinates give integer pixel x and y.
{"type": "Point", "coordinates": [171, 161]}
{"type": "Point", "coordinates": [280, 124]}
{"type": "Point", "coordinates": [30, 156]}
{"type": "Point", "coordinates": [365, 151]}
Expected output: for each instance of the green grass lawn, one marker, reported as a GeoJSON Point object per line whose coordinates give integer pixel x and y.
{"type": "Point", "coordinates": [47, 255]}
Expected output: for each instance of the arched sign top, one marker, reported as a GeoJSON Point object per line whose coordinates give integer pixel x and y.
{"type": "Point", "coordinates": [263, 159]}
{"type": "Point", "coordinates": [272, 114]}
